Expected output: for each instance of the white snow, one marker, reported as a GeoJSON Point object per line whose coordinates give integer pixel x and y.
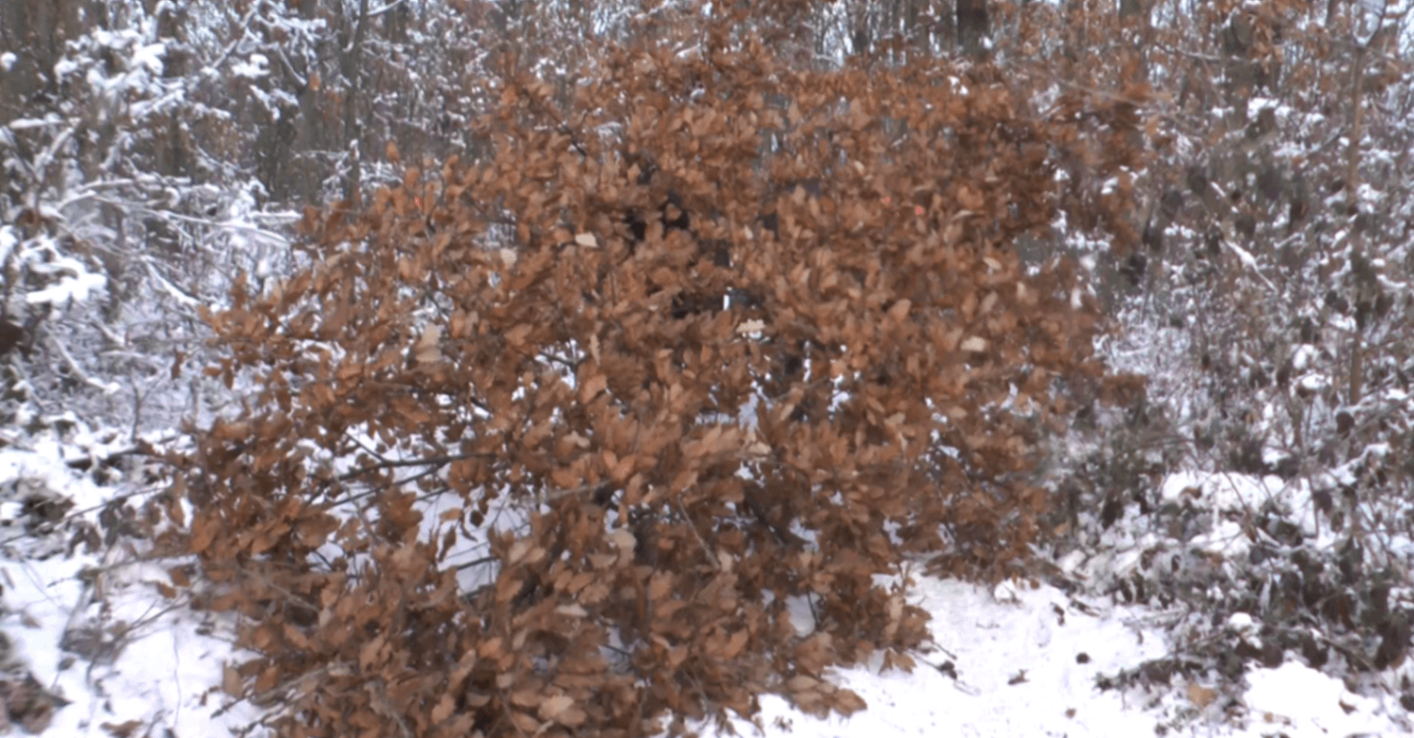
{"type": "Point", "coordinates": [76, 288]}
{"type": "Point", "coordinates": [1019, 674]}
{"type": "Point", "coordinates": [161, 676]}
{"type": "Point", "coordinates": [258, 66]}
{"type": "Point", "coordinates": [1017, 666]}
{"type": "Point", "coordinates": [163, 673]}
{"type": "Point", "coordinates": [1301, 702]}
{"type": "Point", "coordinates": [8, 241]}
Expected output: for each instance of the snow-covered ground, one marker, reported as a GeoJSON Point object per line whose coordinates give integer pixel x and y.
{"type": "Point", "coordinates": [1024, 662]}
{"type": "Point", "coordinates": [133, 662]}
{"type": "Point", "coordinates": [1017, 661]}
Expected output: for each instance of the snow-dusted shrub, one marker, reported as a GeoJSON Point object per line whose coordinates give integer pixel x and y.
{"type": "Point", "coordinates": [1267, 485]}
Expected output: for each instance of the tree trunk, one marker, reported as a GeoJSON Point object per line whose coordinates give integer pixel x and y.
{"type": "Point", "coordinates": [353, 73]}
{"type": "Point", "coordinates": [972, 26]}
{"type": "Point", "coordinates": [34, 31]}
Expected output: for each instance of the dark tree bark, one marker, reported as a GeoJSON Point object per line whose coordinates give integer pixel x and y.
{"type": "Point", "coordinates": [353, 72]}
{"type": "Point", "coordinates": [972, 26]}
{"type": "Point", "coordinates": [1133, 9]}
{"type": "Point", "coordinates": [35, 32]}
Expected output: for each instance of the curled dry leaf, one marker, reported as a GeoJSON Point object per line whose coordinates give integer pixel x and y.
{"type": "Point", "coordinates": [231, 682]}
{"type": "Point", "coordinates": [518, 551]}
{"type": "Point", "coordinates": [444, 708]}
{"type": "Point", "coordinates": [751, 326]}
{"type": "Point", "coordinates": [428, 349]}
{"type": "Point", "coordinates": [848, 702]}
{"type": "Point", "coordinates": [974, 344]}
{"type": "Point", "coordinates": [1201, 696]}
{"type": "Point", "coordinates": [551, 708]}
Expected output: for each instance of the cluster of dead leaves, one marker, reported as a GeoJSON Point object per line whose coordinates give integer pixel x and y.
{"type": "Point", "coordinates": [697, 427]}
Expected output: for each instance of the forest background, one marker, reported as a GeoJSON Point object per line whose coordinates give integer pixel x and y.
{"type": "Point", "coordinates": [520, 367]}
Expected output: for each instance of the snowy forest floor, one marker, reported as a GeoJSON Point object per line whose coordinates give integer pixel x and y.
{"type": "Point", "coordinates": [1023, 659]}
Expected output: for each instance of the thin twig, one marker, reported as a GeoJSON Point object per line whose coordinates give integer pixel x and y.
{"type": "Point", "coordinates": [404, 463]}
